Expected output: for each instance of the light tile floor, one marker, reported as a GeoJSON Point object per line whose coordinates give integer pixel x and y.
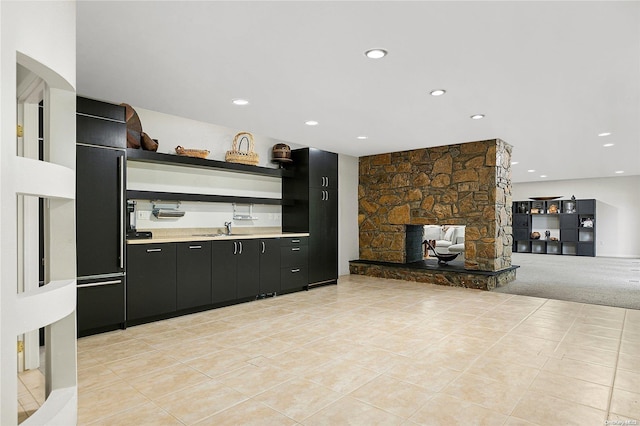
{"type": "Point", "coordinates": [370, 351]}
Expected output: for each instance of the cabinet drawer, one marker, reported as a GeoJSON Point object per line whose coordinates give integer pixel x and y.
{"type": "Point", "coordinates": [294, 241]}
{"type": "Point", "coordinates": [293, 278]}
{"type": "Point", "coordinates": [293, 256]}
{"type": "Point", "coordinates": [100, 109]}
{"type": "Point", "coordinates": [97, 131]}
{"type": "Point", "coordinates": [100, 304]}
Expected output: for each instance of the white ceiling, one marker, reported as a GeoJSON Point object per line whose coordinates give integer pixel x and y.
{"type": "Point", "coordinates": [549, 76]}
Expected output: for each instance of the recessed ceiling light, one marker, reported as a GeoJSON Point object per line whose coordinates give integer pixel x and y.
{"type": "Point", "coordinates": [619, 171]}
{"type": "Point", "coordinates": [240, 102]}
{"type": "Point", "coordinates": [375, 53]}
{"type": "Point", "coordinates": [607, 145]}
{"type": "Point", "coordinates": [311, 123]}
{"type": "Point", "coordinates": [531, 170]}
{"type": "Point", "coordinates": [362, 137]}
{"type": "Point", "coordinates": [438, 92]}
{"type": "Point", "coordinates": [514, 163]}
{"type": "Point", "coordinates": [477, 116]}
{"type": "Point", "coordinates": [543, 176]}
{"type": "Point", "coordinates": [604, 134]}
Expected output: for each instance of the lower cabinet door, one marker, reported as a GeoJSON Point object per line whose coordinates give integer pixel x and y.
{"type": "Point", "coordinates": [100, 305]}
{"type": "Point", "coordinates": [151, 280]}
{"type": "Point", "coordinates": [193, 274]}
{"type": "Point", "coordinates": [269, 265]}
{"type": "Point", "coordinates": [223, 271]}
{"type": "Point", "coordinates": [248, 270]}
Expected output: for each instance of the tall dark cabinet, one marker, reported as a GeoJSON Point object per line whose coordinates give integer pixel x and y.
{"type": "Point", "coordinates": [100, 193]}
{"type": "Point", "coordinates": [312, 206]}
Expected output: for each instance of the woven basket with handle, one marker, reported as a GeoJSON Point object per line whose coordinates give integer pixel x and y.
{"type": "Point", "coordinates": [237, 155]}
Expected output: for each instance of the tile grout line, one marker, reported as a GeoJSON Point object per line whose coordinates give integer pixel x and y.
{"type": "Point", "coordinates": [615, 367]}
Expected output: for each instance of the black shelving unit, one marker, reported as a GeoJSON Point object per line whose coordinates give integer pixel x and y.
{"type": "Point", "coordinates": [142, 156]}
{"type": "Point", "coordinates": [180, 160]}
{"type": "Point", "coordinates": [182, 196]}
{"type": "Point", "coordinates": [571, 223]}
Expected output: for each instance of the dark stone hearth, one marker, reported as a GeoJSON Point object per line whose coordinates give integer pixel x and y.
{"type": "Point", "coordinates": [430, 271]}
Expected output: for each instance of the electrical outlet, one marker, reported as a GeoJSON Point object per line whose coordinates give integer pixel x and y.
{"type": "Point", "coordinates": [141, 214]}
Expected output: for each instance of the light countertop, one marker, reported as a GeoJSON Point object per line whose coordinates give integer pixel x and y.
{"type": "Point", "coordinates": [176, 235]}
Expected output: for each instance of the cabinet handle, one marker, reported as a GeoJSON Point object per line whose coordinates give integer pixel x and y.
{"type": "Point", "coordinates": [263, 246]}
{"type": "Point", "coordinates": [327, 181]}
{"type": "Point", "coordinates": [195, 247]}
{"type": "Point", "coordinates": [295, 249]}
{"type": "Point", "coordinates": [235, 248]}
{"type": "Point", "coordinates": [99, 284]}
{"type": "Point", "coordinates": [327, 197]}
{"type": "Point", "coordinates": [240, 243]}
{"type": "Point", "coordinates": [122, 208]}
{"type": "Point", "coordinates": [154, 250]}
{"type": "Point", "coordinates": [295, 241]}
{"type": "Point", "coordinates": [322, 181]}
{"type": "Point", "coordinates": [293, 271]}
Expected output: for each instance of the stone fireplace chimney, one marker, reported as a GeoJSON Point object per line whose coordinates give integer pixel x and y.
{"type": "Point", "coordinates": [465, 184]}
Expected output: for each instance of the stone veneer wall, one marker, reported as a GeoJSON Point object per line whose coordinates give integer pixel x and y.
{"type": "Point", "coordinates": [466, 184]}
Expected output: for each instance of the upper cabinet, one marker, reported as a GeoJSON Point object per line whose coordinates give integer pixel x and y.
{"type": "Point", "coordinates": [323, 169]}
{"type": "Point", "coordinates": [100, 123]}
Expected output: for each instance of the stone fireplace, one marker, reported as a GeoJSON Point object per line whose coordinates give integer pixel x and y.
{"type": "Point", "coordinates": [465, 184]}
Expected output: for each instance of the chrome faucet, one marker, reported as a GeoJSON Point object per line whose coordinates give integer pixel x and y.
{"type": "Point", "coordinates": [227, 225]}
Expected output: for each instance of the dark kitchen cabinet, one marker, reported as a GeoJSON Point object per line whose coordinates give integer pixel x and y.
{"type": "Point", "coordinates": [193, 274]}
{"type": "Point", "coordinates": [151, 280]}
{"type": "Point", "coordinates": [269, 266]}
{"type": "Point", "coordinates": [312, 206]}
{"type": "Point", "coordinates": [100, 213]}
{"type": "Point", "coordinates": [100, 123]}
{"type": "Point", "coordinates": [323, 235]}
{"type": "Point", "coordinates": [100, 305]}
{"type": "Point", "coordinates": [294, 272]}
{"type": "Point", "coordinates": [248, 269]}
{"type": "Point", "coordinates": [235, 269]}
{"type": "Point", "coordinates": [223, 267]}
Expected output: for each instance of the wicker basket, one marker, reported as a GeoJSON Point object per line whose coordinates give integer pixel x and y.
{"type": "Point", "coordinates": [236, 155]}
{"type": "Point", "coordinates": [198, 153]}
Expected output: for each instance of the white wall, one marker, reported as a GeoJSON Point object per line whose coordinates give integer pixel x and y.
{"type": "Point", "coordinates": [41, 37]}
{"type": "Point", "coordinates": [617, 208]}
{"type": "Point", "coordinates": [172, 131]}
{"type": "Point", "coordinates": [347, 212]}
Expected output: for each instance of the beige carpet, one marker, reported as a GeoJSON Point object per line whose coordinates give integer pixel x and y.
{"type": "Point", "coordinates": [597, 280]}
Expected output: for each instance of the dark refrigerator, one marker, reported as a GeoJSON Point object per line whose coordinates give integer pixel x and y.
{"type": "Point", "coordinates": [100, 216]}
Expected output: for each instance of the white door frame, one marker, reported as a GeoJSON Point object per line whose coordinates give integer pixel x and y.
{"type": "Point", "coordinates": [30, 93]}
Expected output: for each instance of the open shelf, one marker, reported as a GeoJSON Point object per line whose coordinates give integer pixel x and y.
{"type": "Point", "coordinates": [180, 160]}
{"type": "Point", "coordinates": [181, 196]}
{"type": "Point", "coordinates": [570, 222]}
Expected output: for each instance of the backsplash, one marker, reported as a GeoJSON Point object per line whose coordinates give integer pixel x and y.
{"type": "Point", "coordinates": [206, 215]}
